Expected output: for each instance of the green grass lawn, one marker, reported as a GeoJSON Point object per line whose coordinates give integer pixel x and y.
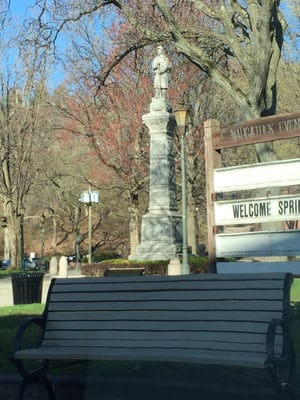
{"type": "Point", "coordinates": [295, 292]}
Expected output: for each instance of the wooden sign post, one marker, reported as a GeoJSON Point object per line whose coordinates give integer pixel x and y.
{"type": "Point", "coordinates": [212, 161]}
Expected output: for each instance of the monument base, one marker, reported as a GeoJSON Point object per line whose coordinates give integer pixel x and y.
{"type": "Point", "coordinates": [161, 237]}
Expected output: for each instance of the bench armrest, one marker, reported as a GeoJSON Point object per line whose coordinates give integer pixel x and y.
{"type": "Point", "coordinates": [287, 354]}
{"type": "Point", "coordinates": [40, 321]}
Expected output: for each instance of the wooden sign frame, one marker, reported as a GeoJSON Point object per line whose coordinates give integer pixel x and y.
{"type": "Point", "coordinates": [277, 127]}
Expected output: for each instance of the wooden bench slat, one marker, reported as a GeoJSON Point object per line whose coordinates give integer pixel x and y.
{"type": "Point", "coordinates": [119, 354]}
{"type": "Point", "coordinates": [86, 339]}
{"type": "Point", "coordinates": [213, 304]}
{"type": "Point", "coordinates": [179, 280]}
{"type": "Point", "coordinates": [95, 343]}
{"type": "Point", "coordinates": [175, 344]}
{"type": "Point", "coordinates": [162, 325]}
{"type": "Point", "coordinates": [158, 296]}
{"type": "Point", "coordinates": [234, 337]}
{"type": "Point", "coordinates": [165, 315]}
{"type": "Point", "coordinates": [179, 326]}
{"type": "Point", "coordinates": [149, 285]}
{"type": "Point", "coordinates": [222, 285]}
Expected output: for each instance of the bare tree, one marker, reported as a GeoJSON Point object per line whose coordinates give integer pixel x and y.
{"type": "Point", "coordinates": [220, 37]}
{"type": "Point", "coordinates": [237, 44]}
{"type": "Point", "coordinates": [23, 127]}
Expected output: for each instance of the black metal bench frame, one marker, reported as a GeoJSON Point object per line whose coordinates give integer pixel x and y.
{"type": "Point", "coordinates": [215, 319]}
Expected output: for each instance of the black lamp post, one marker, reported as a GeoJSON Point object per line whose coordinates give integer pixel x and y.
{"type": "Point", "coordinates": [181, 118]}
{"type": "Point", "coordinates": [22, 213]}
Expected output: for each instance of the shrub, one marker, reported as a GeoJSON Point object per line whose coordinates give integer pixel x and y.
{"type": "Point", "coordinates": [198, 265]}
{"type": "Point", "coordinates": [102, 255]}
{"type": "Point", "coordinates": [151, 267]}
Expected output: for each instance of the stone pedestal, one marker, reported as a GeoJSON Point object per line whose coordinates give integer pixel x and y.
{"type": "Point", "coordinates": [161, 237]}
{"type": "Point", "coordinates": [53, 269]}
{"type": "Point", "coordinates": [174, 267]}
{"type": "Point", "coordinates": [63, 267]}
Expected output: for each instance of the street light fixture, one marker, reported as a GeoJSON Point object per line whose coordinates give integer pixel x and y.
{"type": "Point", "coordinates": [89, 197]}
{"type": "Point", "coordinates": [181, 118]}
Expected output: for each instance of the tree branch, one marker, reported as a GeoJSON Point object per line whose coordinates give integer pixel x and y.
{"type": "Point", "coordinates": [198, 56]}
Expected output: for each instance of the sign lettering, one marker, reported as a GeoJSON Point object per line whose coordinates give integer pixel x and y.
{"type": "Point", "coordinates": [289, 207]}
{"type": "Point", "coordinates": [252, 131]}
{"type": "Point", "coordinates": [278, 208]}
{"type": "Point", "coordinates": [257, 131]}
{"type": "Point", "coordinates": [250, 210]}
{"type": "Point", "coordinates": [289, 125]}
{"type": "Point", "coordinates": [265, 129]}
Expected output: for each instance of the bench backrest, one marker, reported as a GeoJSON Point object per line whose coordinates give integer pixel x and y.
{"type": "Point", "coordinates": [210, 311]}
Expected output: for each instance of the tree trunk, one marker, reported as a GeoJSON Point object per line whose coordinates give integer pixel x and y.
{"type": "Point", "coordinates": [14, 234]}
{"type": "Point", "coordinates": [7, 245]}
{"type": "Point", "coordinates": [54, 235]}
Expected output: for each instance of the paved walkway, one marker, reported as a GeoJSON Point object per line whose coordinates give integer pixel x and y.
{"type": "Point", "coordinates": [91, 388]}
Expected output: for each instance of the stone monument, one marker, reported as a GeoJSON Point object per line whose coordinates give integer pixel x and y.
{"type": "Point", "coordinates": [161, 236]}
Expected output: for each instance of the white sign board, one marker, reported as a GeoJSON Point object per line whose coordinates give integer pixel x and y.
{"type": "Point", "coordinates": [279, 208]}
{"type": "Point", "coordinates": [258, 244]}
{"type": "Point", "coordinates": [89, 196]}
{"type": "Point", "coordinates": [258, 267]}
{"type": "Point", "coordinates": [255, 176]}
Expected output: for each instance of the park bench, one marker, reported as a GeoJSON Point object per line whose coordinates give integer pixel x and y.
{"type": "Point", "coordinates": [123, 271]}
{"type": "Point", "coordinates": [209, 319]}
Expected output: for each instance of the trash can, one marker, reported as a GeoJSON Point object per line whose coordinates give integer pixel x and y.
{"type": "Point", "coordinates": [27, 287]}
